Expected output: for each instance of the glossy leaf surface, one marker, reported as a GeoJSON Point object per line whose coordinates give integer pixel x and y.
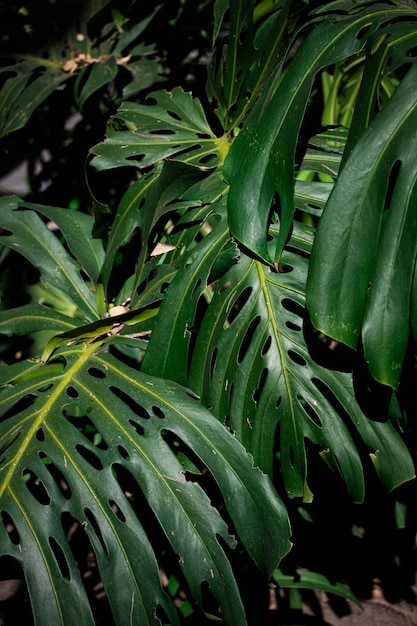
{"type": "Point", "coordinates": [61, 428]}
{"type": "Point", "coordinates": [363, 261]}
{"type": "Point", "coordinates": [260, 164]}
{"type": "Point", "coordinates": [173, 126]}
{"type": "Point", "coordinates": [248, 360]}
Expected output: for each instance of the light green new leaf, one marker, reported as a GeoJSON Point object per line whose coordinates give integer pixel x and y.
{"type": "Point", "coordinates": [174, 126]}
{"type": "Point", "coordinates": [363, 258]}
{"type": "Point", "coordinates": [27, 234]}
{"type": "Point", "coordinates": [62, 425]}
{"type": "Point", "coordinates": [260, 163]}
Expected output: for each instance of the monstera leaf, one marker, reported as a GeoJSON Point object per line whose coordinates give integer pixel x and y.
{"type": "Point", "coordinates": [238, 342]}
{"type": "Point", "coordinates": [364, 257]}
{"type": "Point", "coordinates": [73, 430]}
{"type": "Point", "coordinates": [89, 441]}
{"type": "Point", "coordinates": [172, 125]}
{"type": "Point", "coordinates": [260, 164]}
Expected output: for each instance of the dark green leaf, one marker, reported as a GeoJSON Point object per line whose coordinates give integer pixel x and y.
{"type": "Point", "coordinates": [29, 235]}
{"type": "Point", "coordinates": [363, 259]}
{"type": "Point", "coordinates": [52, 470]}
{"type": "Point", "coordinates": [33, 317]}
{"type": "Point", "coordinates": [21, 94]}
{"type": "Point", "coordinates": [173, 127]}
{"type": "Point", "coordinates": [260, 163]}
{"type": "Point", "coordinates": [93, 77]}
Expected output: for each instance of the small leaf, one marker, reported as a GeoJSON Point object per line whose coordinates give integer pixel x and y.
{"type": "Point", "coordinates": [93, 77]}
{"type": "Point", "coordinates": [173, 127]}
{"type": "Point", "coordinates": [22, 93]}
{"type": "Point", "coordinates": [28, 235]}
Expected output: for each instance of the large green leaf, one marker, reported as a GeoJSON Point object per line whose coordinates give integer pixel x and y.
{"type": "Point", "coordinates": [364, 254]}
{"type": "Point", "coordinates": [260, 163]}
{"type": "Point", "coordinates": [241, 348]}
{"type": "Point", "coordinates": [73, 431]}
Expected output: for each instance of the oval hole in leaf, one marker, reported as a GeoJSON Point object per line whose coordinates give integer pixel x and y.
{"type": "Point", "coordinates": [136, 157]}
{"type": "Point", "coordinates": [56, 475]}
{"type": "Point", "coordinates": [139, 505]}
{"type": "Point", "coordinates": [190, 462]}
{"type": "Point", "coordinates": [209, 603]}
{"type": "Point", "coordinates": [247, 339]}
{"type": "Point", "coordinates": [292, 326]}
{"type": "Point", "coordinates": [162, 131]}
{"type": "Point", "coordinates": [174, 115]}
{"type": "Point", "coordinates": [138, 427]}
{"type": "Point", "coordinates": [158, 412]}
{"type": "Point", "coordinates": [137, 409]}
{"type": "Point", "coordinates": [392, 179]}
{"type": "Point", "coordinates": [293, 307]}
{"type": "Point", "coordinates": [123, 453]}
{"type": "Point", "coordinates": [330, 397]}
{"type": "Point", "coordinates": [412, 52]}
{"type": "Point", "coordinates": [93, 523]}
{"type": "Point", "coordinates": [196, 286]}
{"type": "Point", "coordinates": [60, 559]}
{"type": "Point", "coordinates": [296, 358]}
{"type": "Point", "coordinates": [10, 527]}
{"type": "Point", "coordinates": [89, 456]}
{"type": "Point", "coordinates": [208, 159]}
{"type": "Point", "coordinates": [117, 511]}
{"type": "Point", "coordinates": [262, 380]}
{"type": "Point", "coordinates": [316, 209]}
{"type": "Point", "coordinates": [36, 487]}
{"type": "Point", "coordinates": [20, 406]}
{"type": "Point", "coordinates": [363, 31]}
{"type": "Point", "coordinates": [40, 435]}
{"type": "Point", "coordinates": [312, 414]}
{"type": "Point", "coordinates": [72, 392]}
{"type": "Point", "coordinates": [96, 373]}
{"type": "Point", "coordinates": [45, 388]}
{"type": "Point", "coordinates": [237, 306]}
{"type": "Point", "coordinates": [266, 345]}
{"type": "Point", "coordinates": [86, 427]}
{"type": "Point", "coordinates": [162, 616]}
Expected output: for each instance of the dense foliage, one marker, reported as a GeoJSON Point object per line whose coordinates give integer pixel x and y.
{"type": "Point", "coordinates": [206, 297]}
